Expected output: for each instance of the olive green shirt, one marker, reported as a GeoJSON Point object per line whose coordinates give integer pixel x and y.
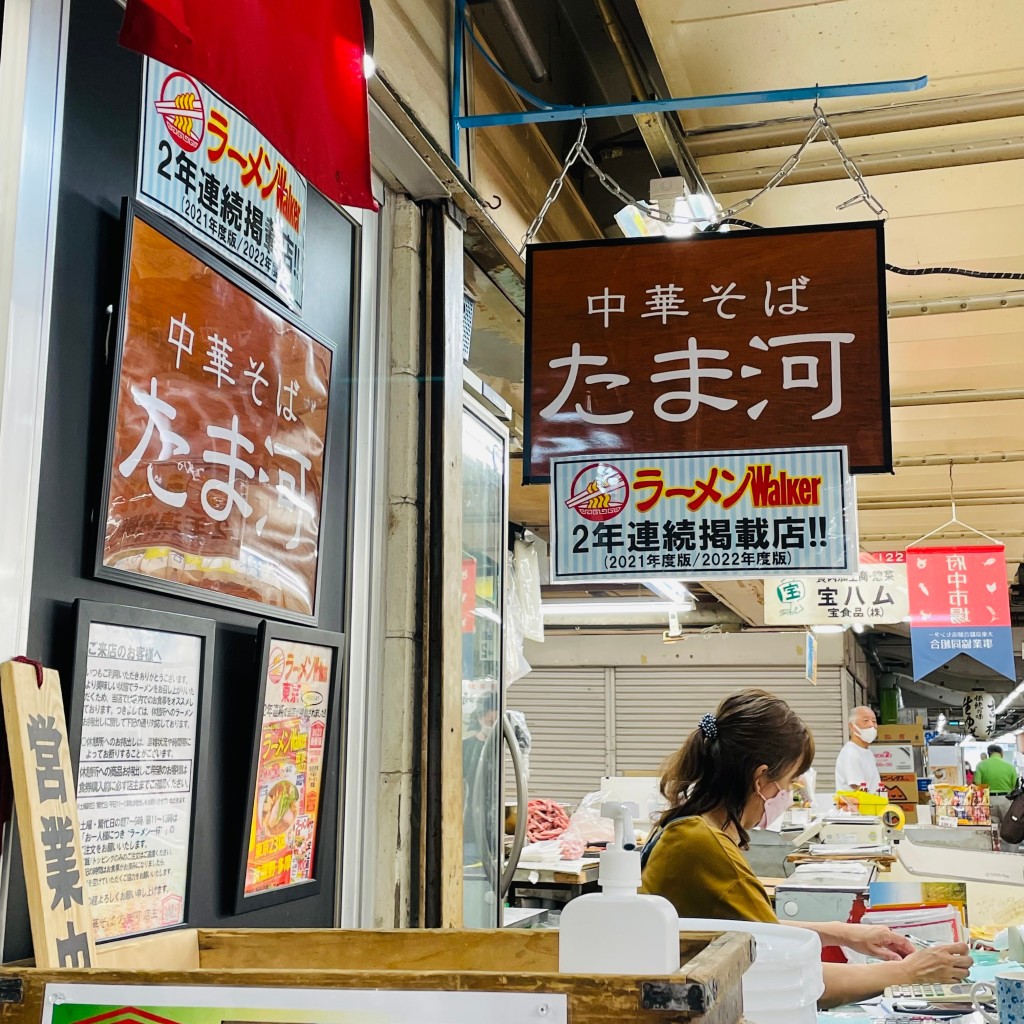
{"type": "Point", "coordinates": [703, 873]}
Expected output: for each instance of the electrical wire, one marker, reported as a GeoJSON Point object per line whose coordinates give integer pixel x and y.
{"type": "Point", "coordinates": [989, 275]}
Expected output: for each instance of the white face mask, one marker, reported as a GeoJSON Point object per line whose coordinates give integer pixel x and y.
{"type": "Point", "coordinates": [867, 735]}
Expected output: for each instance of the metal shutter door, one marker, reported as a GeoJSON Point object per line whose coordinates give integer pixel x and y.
{"type": "Point", "coordinates": [657, 708]}
{"type": "Point", "coordinates": [567, 714]}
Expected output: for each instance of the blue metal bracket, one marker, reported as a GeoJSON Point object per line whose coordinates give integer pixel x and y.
{"type": "Point", "coordinates": [547, 113]}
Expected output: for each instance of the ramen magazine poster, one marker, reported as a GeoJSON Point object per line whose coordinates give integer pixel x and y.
{"type": "Point", "coordinates": [290, 767]}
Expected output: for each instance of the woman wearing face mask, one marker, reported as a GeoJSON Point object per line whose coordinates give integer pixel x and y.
{"type": "Point", "coordinates": [735, 772]}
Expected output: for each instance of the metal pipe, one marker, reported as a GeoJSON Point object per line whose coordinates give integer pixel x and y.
{"type": "Point", "coordinates": [521, 40]}
{"type": "Point", "coordinates": [879, 538]}
{"type": "Point", "coordinates": [901, 117]}
{"type": "Point", "coordinates": [870, 164]}
{"type": "Point", "coordinates": [663, 142]}
{"type": "Point", "coordinates": [926, 398]}
{"type": "Point", "coordinates": [984, 458]}
{"type": "Point", "coordinates": [895, 504]}
{"type": "Point", "coordinates": [956, 304]}
{"type": "Point", "coordinates": [726, 99]}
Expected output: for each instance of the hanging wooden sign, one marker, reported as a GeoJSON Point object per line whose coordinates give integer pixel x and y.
{"type": "Point", "coordinates": [720, 341]}
{"type": "Point", "coordinates": [44, 798]}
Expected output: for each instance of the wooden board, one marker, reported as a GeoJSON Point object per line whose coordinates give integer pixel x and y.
{"type": "Point", "coordinates": [47, 812]}
{"type": "Point", "coordinates": [400, 949]}
{"type": "Point", "coordinates": [706, 991]}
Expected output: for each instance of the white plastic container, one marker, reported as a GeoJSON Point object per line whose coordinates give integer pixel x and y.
{"type": "Point", "coordinates": [618, 931]}
{"type": "Point", "coordinates": [785, 981]}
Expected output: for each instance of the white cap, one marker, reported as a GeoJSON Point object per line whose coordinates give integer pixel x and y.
{"type": "Point", "coordinates": [620, 863]}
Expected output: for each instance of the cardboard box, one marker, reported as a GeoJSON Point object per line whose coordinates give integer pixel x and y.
{"type": "Point", "coordinates": [894, 758]}
{"type": "Point", "coordinates": [912, 734]}
{"type": "Point", "coordinates": [910, 810]}
{"type": "Point", "coordinates": [902, 789]}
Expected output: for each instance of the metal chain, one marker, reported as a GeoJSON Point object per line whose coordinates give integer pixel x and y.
{"type": "Point", "coordinates": [556, 186]}
{"type": "Point", "coordinates": [851, 169]}
{"type": "Point", "coordinates": [820, 127]}
{"type": "Point", "coordinates": [780, 175]}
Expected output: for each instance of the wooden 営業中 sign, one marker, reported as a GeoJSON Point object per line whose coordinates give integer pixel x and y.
{"type": "Point", "coordinates": [44, 799]}
{"type": "Point", "coordinates": [727, 340]}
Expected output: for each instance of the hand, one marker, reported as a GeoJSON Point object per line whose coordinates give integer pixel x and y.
{"type": "Point", "coordinates": [938, 965]}
{"type": "Point", "coordinates": [877, 941]}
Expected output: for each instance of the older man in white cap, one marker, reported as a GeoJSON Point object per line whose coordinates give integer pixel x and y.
{"type": "Point", "coordinates": [855, 766]}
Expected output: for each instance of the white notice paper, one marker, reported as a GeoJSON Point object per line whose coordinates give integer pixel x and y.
{"type": "Point", "coordinates": [135, 782]}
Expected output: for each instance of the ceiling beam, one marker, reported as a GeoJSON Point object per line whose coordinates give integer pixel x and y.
{"type": "Point", "coordinates": [661, 136]}
{"type": "Point", "coordinates": [940, 694]}
{"type": "Point", "coordinates": [894, 117]}
{"type": "Point", "coordinates": [744, 597]}
{"type": "Point", "coordinates": [980, 458]}
{"type": "Point", "coordinates": [956, 397]}
{"type": "Point", "coordinates": [870, 164]}
{"type": "Point", "coordinates": [956, 304]}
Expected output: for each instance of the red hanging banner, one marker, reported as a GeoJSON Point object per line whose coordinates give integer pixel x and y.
{"type": "Point", "coordinates": [295, 73]}
{"type": "Point", "coordinates": [959, 604]}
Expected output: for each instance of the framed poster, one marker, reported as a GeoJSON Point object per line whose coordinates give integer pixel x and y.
{"type": "Point", "coordinates": [716, 341]}
{"type": "Point", "coordinates": [214, 483]}
{"type": "Point", "coordinates": [139, 702]}
{"type": "Point", "coordinates": [299, 682]}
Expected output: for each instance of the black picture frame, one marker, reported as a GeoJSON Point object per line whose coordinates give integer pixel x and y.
{"type": "Point", "coordinates": [133, 211]}
{"type": "Point", "coordinates": [90, 613]}
{"type": "Point", "coordinates": [269, 633]}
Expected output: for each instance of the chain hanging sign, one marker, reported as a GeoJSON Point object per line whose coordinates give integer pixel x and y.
{"type": "Point", "coordinates": [719, 340]}
{"type": "Point", "coordinates": [708, 515]}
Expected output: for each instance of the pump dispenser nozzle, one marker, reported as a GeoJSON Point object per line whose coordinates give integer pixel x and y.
{"type": "Point", "coordinates": [620, 863]}
{"type": "Point", "coordinates": [625, 833]}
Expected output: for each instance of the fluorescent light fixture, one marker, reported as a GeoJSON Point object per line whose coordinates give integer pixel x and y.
{"type": "Point", "coordinates": [828, 629]}
{"type": "Point", "coordinates": [858, 627]}
{"type": "Point", "coordinates": [574, 609]}
{"type": "Point", "coordinates": [1010, 698]}
{"type": "Point", "coordinates": [670, 590]}
{"type": "Point", "coordinates": [682, 226]}
{"type": "Point", "coordinates": [940, 724]}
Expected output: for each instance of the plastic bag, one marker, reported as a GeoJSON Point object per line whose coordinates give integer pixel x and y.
{"type": "Point", "coordinates": [516, 666]}
{"type": "Point", "coordinates": [587, 823]}
{"type": "Point", "coordinates": [527, 579]}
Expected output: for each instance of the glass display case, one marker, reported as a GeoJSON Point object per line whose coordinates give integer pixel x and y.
{"type": "Point", "coordinates": [484, 544]}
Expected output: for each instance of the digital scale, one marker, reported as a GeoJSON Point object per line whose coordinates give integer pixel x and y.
{"type": "Point", "coordinates": [823, 892]}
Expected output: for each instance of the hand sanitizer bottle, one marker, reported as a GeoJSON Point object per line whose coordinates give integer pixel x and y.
{"type": "Point", "coordinates": [618, 931]}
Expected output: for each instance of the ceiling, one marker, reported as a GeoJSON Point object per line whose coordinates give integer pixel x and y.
{"type": "Point", "coordinates": [947, 162]}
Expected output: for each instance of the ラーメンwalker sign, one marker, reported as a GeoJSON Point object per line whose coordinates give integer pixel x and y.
{"type": "Point", "coordinates": [709, 515]}
{"type": "Point", "coordinates": [215, 474]}
{"type": "Point", "coordinates": [208, 169]}
{"type": "Point", "coordinates": [717, 341]}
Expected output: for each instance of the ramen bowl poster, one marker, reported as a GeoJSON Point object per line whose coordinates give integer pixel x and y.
{"type": "Point", "coordinates": [290, 767]}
